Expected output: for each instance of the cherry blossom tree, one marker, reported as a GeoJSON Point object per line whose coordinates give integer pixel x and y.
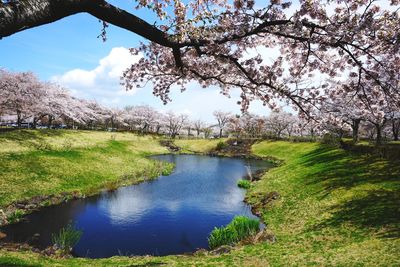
{"type": "Point", "coordinates": [395, 121]}
{"type": "Point", "coordinates": [368, 103]}
{"type": "Point", "coordinates": [20, 94]}
{"type": "Point", "coordinates": [222, 119]}
{"type": "Point", "coordinates": [198, 126]}
{"type": "Point", "coordinates": [217, 42]}
{"type": "Point", "coordinates": [278, 122]}
{"type": "Point", "coordinates": [189, 126]}
{"type": "Point", "coordinates": [174, 123]}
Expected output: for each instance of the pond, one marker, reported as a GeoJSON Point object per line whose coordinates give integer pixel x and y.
{"type": "Point", "coordinates": [171, 215]}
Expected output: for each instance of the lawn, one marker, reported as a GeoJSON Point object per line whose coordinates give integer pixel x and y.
{"type": "Point", "coordinates": [34, 163]}
{"type": "Point", "coordinates": [336, 208]}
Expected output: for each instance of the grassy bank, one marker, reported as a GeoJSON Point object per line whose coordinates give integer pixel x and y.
{"type": "Point", "coordinates": [335, 209]}
{"type": "Point", "coordinates": [198, 145]}
{"type": "Point", "coordinates": [35, 163]}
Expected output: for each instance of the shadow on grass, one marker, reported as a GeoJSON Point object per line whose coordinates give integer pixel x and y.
{"type": "Point", "coordinates": [340, 169]}
{"type": "Point", "coordinates": [375, 208]}
{"type": "Point", "coordinates": [378, 209]}
{"type": "Point", "coordinates": [12, 262]}
{"type": "Point", "coordinates": [31, 138]}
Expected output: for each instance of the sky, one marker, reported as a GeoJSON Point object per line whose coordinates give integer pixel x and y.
{"type": "Point", "coordinates": [68, 52]}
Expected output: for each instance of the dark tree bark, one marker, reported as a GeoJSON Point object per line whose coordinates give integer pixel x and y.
{"type": "Point", "coordinates": [34, 124]}
{"type": "Point", "coordinates": [378, 134]}
{"type": "Point", "coordinates": [396, 129]}
{"type": "Point", "coordinates": [50, 122]}
{"type": "Point", "coordinates": [379, 128]}
{"type": "Point", "coordinates": [19, 119]}
{"type": "Point", "coordinates": [24, 14]}
{"type": "Point", "coordinates": [355, 125]}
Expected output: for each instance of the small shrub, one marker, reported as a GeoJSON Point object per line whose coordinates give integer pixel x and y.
{"type": "Point", "coordinates": [15, 216]}
{"type": "Point", "coordinates": [220, 145]}
{"type": "Point", "coordinates": [67, 238]}
{"type": "Point", "coordinates": [244, 184]}
{"type": "Point", "coordinates": [240, 228]}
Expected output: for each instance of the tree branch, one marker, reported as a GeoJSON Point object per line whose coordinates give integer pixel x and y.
{"type": "Point", "coordinates": [20, 15]}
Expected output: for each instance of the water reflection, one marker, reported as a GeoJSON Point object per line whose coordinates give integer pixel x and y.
{"type": "Point", "coordinates": [171, 215]}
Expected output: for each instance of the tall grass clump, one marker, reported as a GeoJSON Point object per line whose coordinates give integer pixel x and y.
{"type": "Point", "coordinates": [220, 145]}
{"type": "Point", "coordinates": [16, 216]}
{"type": "Point", "coordinates": [240, 228]}
{"type": "Point", "coordinates": [244, 184]}
{"type": "Point", "coordinates": [67, 238]}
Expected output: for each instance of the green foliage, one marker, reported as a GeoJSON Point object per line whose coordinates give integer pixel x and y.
{"type": "Point", "coordinates": [220, 145]}
{"type": "Point", "coordinates": [331, 140]}
{"type": "Point", "coordinates": [67, 238]}
{"type": "Point", "coordinates": [240, 228]}
{"type": "Point", "coordinates": [15, 216]}
{"type": "Point", "coordinates": [246, 184]}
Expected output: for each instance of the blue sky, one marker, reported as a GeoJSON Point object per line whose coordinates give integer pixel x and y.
{"type": "Point", "coordinates": [68, 51]}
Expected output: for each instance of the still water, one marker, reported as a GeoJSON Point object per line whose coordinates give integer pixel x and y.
{"type": "Point", "coordinates": [171, 215]}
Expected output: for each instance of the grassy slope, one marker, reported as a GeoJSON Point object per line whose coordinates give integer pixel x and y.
{"type": "Point", "coordinates": [335, 209]}
{"type": "Point", "coordinates": [197, 145]}
{"type": "Point", "coordinates": [36, 163]}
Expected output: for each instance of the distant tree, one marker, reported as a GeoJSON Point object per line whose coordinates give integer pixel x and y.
{"type": "Point", "coordinates": [222, 119]}
{"type": "Point", "coordinates": [198, 126]}
{"type": "Point", "coordinates": [174, 123]}
{"type": "Point", "coordinates": [20, 94]}
{"type": "Point", "coordinates": [278, 122]}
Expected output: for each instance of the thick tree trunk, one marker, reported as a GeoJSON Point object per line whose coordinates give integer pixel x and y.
{"type": "Point", "coordinates": [355, 125]}
{"type": "Point", "coordinates": [19, 119]}
{"type": "Point", "coordinates": [112, 124]}
{"type": "Point", "coordinates": [34, 124]}
{"type": "Point", "coordinates": [220, 133]}
{"type": "Point", "coordinates": [378, 128]}
{"type": "Point", "coordinates": [396, 129]}
{"type": "Point", "coordinates": [49, 122]}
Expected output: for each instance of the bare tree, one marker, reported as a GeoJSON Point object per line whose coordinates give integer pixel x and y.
{"type": "Point", "coordinates": [222, 119]}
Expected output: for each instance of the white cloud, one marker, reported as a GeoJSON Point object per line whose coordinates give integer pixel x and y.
{"type": "Point", "coordinates": [101, 83]}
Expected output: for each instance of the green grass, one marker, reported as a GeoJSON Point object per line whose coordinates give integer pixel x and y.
{"type": "Point", "coordinates": [16, 216]}
{"type": "Point", "coordinates": [91, 162]}
{"type": "Point", "coordinates": [198, 145]}
{"type": "Point", "coordinates": [220, 145]}
{"type": "Point", "coordinates": [246, 184]}
{"type": "Point", "coordinates": [335, 208]}
{"type": "Point", "coordinates": [240, 228]}
{"type": "Point", "coordinates": [67, 238]}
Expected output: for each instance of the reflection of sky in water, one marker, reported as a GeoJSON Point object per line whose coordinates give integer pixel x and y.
{"type": "Point", "coordinates": [132, 203]}
{"type": "Point", "coordinates": [173, 214]}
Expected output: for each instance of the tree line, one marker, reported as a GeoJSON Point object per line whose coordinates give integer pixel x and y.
{"type": "Point", "coordinates": [26, 99]}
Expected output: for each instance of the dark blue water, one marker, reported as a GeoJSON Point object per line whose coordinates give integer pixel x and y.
{"type": "Point", "coordinates": [171, 215]}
